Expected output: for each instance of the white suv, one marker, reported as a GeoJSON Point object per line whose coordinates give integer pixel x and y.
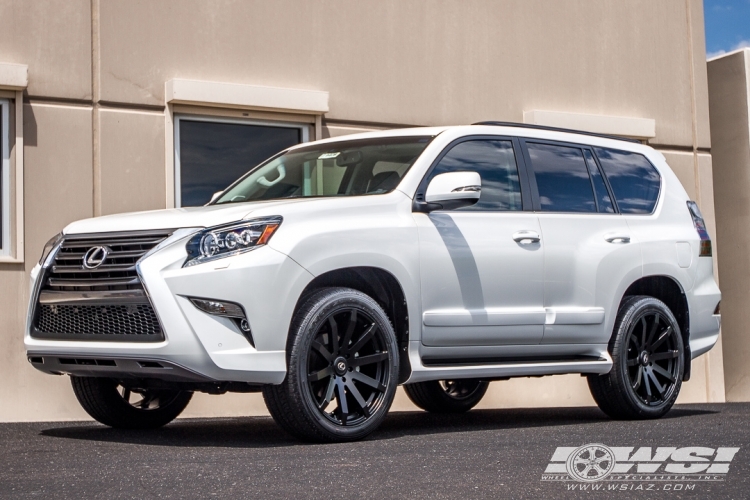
{"type": "Point", "coordinates": [438, 258]}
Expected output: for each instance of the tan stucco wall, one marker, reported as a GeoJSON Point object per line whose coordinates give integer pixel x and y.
{"type": "Point", "coordinates": [729, 85]}
{"type": "Point", "coordinates": [96, 132]}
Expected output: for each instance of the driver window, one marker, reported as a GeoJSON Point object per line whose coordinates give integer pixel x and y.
{"type": "Point", "coordinates": [495, 162]}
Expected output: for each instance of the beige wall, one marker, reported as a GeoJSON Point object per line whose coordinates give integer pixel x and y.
{"type": "Point", "coordinates": [97, 132]}
{"type": "Point", "coordinates": [729, 85]}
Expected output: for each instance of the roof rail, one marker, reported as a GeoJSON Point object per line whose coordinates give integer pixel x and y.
{"type": "Point", "coordinates": [556, 129]}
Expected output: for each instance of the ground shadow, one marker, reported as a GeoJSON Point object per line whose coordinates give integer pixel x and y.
{"type": "Point", "coordinates": [262, 432]}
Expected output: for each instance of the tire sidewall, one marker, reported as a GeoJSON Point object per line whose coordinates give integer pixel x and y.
{"type": "Point", "coordinates": [317, 310]}
{"type": "Point", "coordinates": [631, 315]}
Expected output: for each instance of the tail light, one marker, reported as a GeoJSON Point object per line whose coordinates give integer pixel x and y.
{"type": "Point", "coordinates": [700, 226]}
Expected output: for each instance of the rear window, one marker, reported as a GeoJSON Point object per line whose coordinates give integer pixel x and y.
{"type": "Point", "coordinates": [634, 180]}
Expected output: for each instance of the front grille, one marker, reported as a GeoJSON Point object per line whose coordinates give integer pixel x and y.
{"type": "Point", "coordinates": [132, 320]}
{"type": "Point", "coordinates": [105, 303]}
{"type": "Point", "coordinates": [117, 272]}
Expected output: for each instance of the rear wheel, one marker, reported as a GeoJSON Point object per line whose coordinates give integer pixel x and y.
{"type": "Point", "coordinates": [648, 362]}
{"type": "Point", "coordinates": [447, 396]}
{"type": "Point", "coordinates": [116, 405]}
{"type": "Point", "coordinates": [343, 368]}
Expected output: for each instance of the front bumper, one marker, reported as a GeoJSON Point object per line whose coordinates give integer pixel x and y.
{"type": "Point", "coordinates": [197, 346]}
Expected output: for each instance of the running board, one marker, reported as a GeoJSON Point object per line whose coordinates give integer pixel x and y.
{"type": "Point", "coordinates": [422, 372]}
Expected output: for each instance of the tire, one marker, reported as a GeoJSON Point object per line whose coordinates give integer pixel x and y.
{"type": "Point", "coordinates": [112, 404]}
{"type": "Point", "coordinates": [447, 396]}
{"type": "Point", "coordinates": [342, 352]}
{"type": "Point", "coordinates": [648, 358]}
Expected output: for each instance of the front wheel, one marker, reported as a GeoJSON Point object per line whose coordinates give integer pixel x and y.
{"type": "Point", "coordinates": [343, 368]}
{"type": "Point", "coordinates": [447, 396]}
{"type": "Point", "coordinates": [648, 362]}
{"type": "Point", "coordinates": [125, 407]}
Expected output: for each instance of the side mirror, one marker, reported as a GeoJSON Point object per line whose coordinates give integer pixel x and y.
{"type": "Point", "coordinates": [452, 190]}
{"type": "Point", "coordinates": [215, 196]}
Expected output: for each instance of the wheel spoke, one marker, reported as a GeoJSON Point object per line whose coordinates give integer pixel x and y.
{"type": "Point", "coordinates": [321, 349]}
{"type": "Point", "coordinates": [343, 406]}
{"type": "Point", "coordinates": [368, 360]}
{"type": "Point", "coordinates": [328, 395]}
{"type": "Point", "coordinates": [334, 335]}
{"type": "Point", "coordinates": [639, 379]}
{"type": "Point", "coordinates": [661, 338]}
{"type": "Point", "coordinates": [349, 330]}
{"type": "Point", "coordinates": [646, 382]}
{"type": "Point", "coordinates": [657, 385]}
{"type": "Point", "coordinates": [361, 377]}
{"type": "Point", "coordinates": [358, 397]}
{"type": "Point", "coordinates": [359, 344]}
{"type": "Point", "coordinates": [320, 375]}
{"type": "Point", "coordinates": [643, 333]}
{"type": "Point", "coordinates": [633, 362]}
{"type": "Point", "coordinates": [664, 373]}
{"type": "Point", "coordinates": [664, 355]}
{"type": "Point", "coordinates": [653, 331]}
{"type": "Point", "coordinates": [126, 395]}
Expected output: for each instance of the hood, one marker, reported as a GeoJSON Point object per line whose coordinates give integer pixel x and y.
{"type": "Point", "coordinates": [178, 217]}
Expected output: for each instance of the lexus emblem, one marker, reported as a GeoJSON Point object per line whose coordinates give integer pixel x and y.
{"type": "Point", "coordinates": [95, 257]}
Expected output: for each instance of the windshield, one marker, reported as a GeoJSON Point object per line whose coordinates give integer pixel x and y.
{"type": "Point", "coordinates": [346, 168]}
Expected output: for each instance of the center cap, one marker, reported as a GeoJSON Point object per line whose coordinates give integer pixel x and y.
{"type": "Point", "coordinates": [340, 366]}
{"type": "Point", "coordinates": [644, 358]}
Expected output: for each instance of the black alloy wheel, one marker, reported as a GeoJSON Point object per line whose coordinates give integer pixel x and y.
{"type": "Point", "coordinates": [648, 358]}
{"type": "Point", "coordinates": [348, 363]}
{"type": "Point", "coordinates": [128, 407]}
{"type": "Point", "coordinates": [343, 368]}
{"type": "Point", "coordinates": [447, 396]}
{"type": "Point", "coordinates": [651, 358]}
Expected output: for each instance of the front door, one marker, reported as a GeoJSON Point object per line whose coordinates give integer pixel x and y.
{"type": "Point", "coordinates": [482, 266]}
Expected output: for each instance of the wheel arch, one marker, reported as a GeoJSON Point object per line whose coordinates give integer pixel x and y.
{"type": "Point", "coordinates": [384, 288]}
{"type": "Point", "coordinates": [670, 291]}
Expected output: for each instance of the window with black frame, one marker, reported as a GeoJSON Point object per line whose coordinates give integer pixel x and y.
{"type": "Point", "coordinates": [211, 155]}
{"type": "Point", "coordinates": [495, 162]}
{"type": "Point", "coordinates": [562, 178]}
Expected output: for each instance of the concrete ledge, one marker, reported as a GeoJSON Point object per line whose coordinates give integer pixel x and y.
{"type": "Point", "coordinates": [246, 96]}
{"type": "Point", "coordinates": [640, 128]}
{"type": "Point", "coordinates": [14, 76]}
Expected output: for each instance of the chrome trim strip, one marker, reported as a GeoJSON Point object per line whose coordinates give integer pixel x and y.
{"type": "Point", "coordinates": [89, 297]}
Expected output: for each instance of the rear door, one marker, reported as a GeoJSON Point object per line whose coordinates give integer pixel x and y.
{"type": "Point", "coordinates": [589, 248]}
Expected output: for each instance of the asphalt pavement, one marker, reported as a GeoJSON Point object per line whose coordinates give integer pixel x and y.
{"type": "Point", "coordinates": [482, 454]}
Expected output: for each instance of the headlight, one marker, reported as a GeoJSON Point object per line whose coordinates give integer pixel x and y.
{"type": "Point", "coordinates": [230, 239]}
{"type": "Point", "coordinates": [52, 243]}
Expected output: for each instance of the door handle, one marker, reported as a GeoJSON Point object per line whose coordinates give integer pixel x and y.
{"type": "Point", "coordinates": [526, 237]}
{"type": "Point", "coordinates": [617, 238]}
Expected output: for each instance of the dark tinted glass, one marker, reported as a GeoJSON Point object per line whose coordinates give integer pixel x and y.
{"type": "Point", "coordinates": [214, 155]}
{"type": "Point", "coordinates": [562, 178]}
{"type": "Point", "coordinates": [495, 163]}
{"type": "Point", "coordinates": [600, 189]}
{"type": "Point", "coordinates": [635, 182]}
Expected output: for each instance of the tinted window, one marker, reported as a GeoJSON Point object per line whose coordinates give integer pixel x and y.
{"type": "Point", "coordinates": [214, 155]}
{"type": "Point", "coordinates": [635, 182]}
{"type": "Point", "coordinates": [562, 178]}
{"type": "Point", "coordinates": [600, 189]}
{"type": "Point", "coordinates": [495, 163]}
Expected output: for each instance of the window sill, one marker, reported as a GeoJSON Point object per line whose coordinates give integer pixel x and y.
{"type": "Point", "coordinates": [10, 260]}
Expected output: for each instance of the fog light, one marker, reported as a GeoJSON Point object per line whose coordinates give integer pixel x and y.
{"type": "Point", "coordinates": [230, 310]}
{"type": "Point", "coordinates": [219, 308]}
